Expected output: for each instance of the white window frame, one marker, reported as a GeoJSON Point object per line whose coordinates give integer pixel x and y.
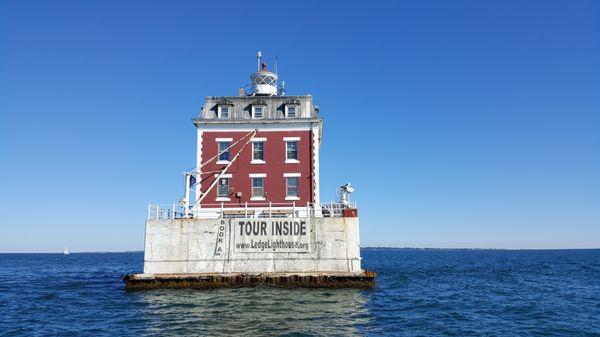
{"type": "Point", "coordinates": [228, 177]}
{"type": "Point", "coordinates": [262, 111]}
{"type": "Point", "coordinates": [292, 175]}
{"type": "Point", "coordinates": [287, 140]}
{"type": "Point", "coordinates": [219, 141]}
{"type": "Point", "coordinates": [220, 111]}
{"type": "Point", "coordinates": [254, 160]}
{"type": "Point", "coordinates": [257, 176]}
{"type": "Point", "coordinates": [287, 110]}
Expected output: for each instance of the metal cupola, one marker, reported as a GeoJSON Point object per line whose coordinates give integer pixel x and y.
{"type": "Point", "coordinates": [264, 82]}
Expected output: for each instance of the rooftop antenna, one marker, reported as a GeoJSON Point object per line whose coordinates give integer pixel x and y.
{"type": "Point", "coordinates": [282, 89]}
{"type": "Point", "coordinates": [276, 60]}
{"type": "Point", "coordinates": [259, 57]}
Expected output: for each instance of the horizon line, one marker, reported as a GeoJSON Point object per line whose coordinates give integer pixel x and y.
{"type": "Point", "coordinates": [368, 247]}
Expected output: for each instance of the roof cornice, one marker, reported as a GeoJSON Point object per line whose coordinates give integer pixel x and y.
{"type": "Point", "coordinates": [206, 121]}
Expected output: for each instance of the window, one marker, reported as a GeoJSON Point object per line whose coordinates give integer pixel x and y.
{"type": "Point", "coordinates": [223, 112]}
{"type": "Point", "coordinates": [291, 186]}
{"type": "Point", "coordinates": [258, 187]}
{"type": "Point", "coordinates": [291, 150]}
{"type": "Point", "coordinates": [291, 111]}
{"type": "Point", "coordinates": [257, 112]}
{"type": "Point", "coordinates": [224, 150]}
{"type": "Point", "coordinates": [258, 151]}
{"type": "Point", "coordinates": [223, 189]}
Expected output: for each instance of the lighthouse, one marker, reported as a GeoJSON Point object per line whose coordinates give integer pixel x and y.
{"type": "Point", "coordinates": [251, 211]}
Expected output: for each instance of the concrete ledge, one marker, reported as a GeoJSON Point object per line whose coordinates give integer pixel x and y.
{"type": "Point", "coordinates": [365, 279]}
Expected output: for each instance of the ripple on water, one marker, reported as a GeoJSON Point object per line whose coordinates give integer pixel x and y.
{"type": "Point", "coordinates": [418, 292]}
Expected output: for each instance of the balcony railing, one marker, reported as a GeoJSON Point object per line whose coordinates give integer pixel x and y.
{"type": "Point", "coordinates": [253, 210]}
{"type": "Point", "coordinates": [165, 211]}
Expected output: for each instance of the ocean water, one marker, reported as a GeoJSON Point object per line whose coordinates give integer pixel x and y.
{"type": "Point", "coordinates": [418, 293]}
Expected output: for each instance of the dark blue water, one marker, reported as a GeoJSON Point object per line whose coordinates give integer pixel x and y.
{"type": "Point", "coordinates": [419, 293]}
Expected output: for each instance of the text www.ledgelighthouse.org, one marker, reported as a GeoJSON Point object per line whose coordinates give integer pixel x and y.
{"type": "Point", "coordinates": [273, 244]}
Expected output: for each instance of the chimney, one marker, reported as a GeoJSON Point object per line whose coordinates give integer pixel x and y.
{"type": "Point", "coordinates": [241, 92]}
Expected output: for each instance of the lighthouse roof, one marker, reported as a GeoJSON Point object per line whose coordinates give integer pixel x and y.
{"type": "Point", "coordinates": [243, 108]}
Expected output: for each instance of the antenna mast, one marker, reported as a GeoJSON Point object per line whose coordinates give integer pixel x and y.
{"type": "Point", "coordinates": [259, 57]}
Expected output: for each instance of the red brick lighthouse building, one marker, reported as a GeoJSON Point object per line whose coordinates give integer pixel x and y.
{"type": "Point", "coordinates": [257, 153]}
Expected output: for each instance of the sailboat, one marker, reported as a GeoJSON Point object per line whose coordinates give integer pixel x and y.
{"type": "Point", "coordinates": [66, 251]}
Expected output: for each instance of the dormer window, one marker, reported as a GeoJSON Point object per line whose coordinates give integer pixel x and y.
{"type": "Point", "coordinates": [257, 112]}
{"type": "Point", "coordinates": [224, 112]}
{"type": "Point", "coordinates": [291, 111]}
{"type": "Point", "coordinates": [292, 108]}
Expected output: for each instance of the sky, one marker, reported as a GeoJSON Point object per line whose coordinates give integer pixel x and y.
{"type": "Point", "coordinates": [461, 124]}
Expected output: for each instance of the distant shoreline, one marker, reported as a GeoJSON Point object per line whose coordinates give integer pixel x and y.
{"type": "Point", "coordinates": [363, 248]}
{"type": "Point", "coordinates": [447, 249]}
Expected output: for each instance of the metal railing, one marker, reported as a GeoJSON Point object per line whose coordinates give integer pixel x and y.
{"type": "Point", "coordinates": [335, 209]}
{"type": "Point", "coordinates": [164, 211]}
{"type": "Point", "coordinates": [248, 210]}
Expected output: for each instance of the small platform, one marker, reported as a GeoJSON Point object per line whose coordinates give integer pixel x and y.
{"type": "Point", "coordinates": [231, 280]}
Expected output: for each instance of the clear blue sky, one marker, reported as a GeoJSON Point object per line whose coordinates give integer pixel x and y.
{"type": "Point", "coordinates": [460, 123]}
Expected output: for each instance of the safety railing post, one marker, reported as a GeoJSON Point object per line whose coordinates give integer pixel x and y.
{"type": "Point", "coordinates": [293, 209]}
{"type": "Point", "coordinates": [270, 211]}
{"type": "Point", "coordinates": [222, 211]}
{"type": "Point", "coordinates": [246, 210]}
{"type": "Point", "coordinates": [156, 212]}
{"type": "Point", "coordinates": [173, 212]}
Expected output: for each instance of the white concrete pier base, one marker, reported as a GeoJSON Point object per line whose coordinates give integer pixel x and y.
{"type": "Point", "coordinates": [263, 245]}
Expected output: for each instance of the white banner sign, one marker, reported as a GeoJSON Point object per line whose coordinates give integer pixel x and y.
{"type": "Point", "coordinates": [271, 235]}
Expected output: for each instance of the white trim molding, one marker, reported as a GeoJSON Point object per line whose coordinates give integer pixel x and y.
{"type": "Point", "coordinates": [315, 169]}
{"type": "Point", "coordinates": [257, 175]}
{"type": "Point", "coordinates": [292, 198]}
{"type": "Point", "coordinates": [292, 161]}
{"type": "Point", "coordinates": [259, 139]}
{"type": "Point", "coordinates": [291, 139]}
{"type": "Point", "coordinates": [198, 186]}
{"type": "Point", "coordinates": [219, 199]}
{"type": "Point", "coordinates": [220, 140]}
{"type": "Point", "coordinates": [225, 175]}
{"type": "Point", "coordinates": [257, 161]}
{"type": "Point", "coordinates": [308, 103]}
{"type": "Point", "coordinates": [291, 175]}
{"type": "Point", "coordinates": [223, 162]}
{"type": "Point", "coordinates": [258, 198]}
{"type": "Point", "coordinates": [288, 125]}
